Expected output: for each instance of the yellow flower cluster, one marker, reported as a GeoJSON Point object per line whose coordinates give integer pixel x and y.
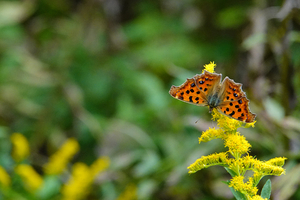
{"type": "Point", "coordinates": [208, 161]}
{"type": "Point", "coordinates": [238, 184]}
{"type": "Point", "coordinates": [82, 178]}
{"type": "Point", "coordinates": [237, 144]}
{"type": "Point", "coordinates": [20, 149]}
{"type": "Point", "coordinates": [257, 197]}
{"type": "Point", "coordinates": [32, 179]}
{"type": "Point", "coordinates": [210, 67]}
{"type": "Point", "coordinates": [211, 134]}
{"type": "Point", "coordinates": [4, 177]}
{"type": "Point", "coordinates": [130, 193]}
{"type": "Point", "coordinates": [60, 159]}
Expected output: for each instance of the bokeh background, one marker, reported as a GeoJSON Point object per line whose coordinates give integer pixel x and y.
{"type": "Point", "coordinates": [99, 71]}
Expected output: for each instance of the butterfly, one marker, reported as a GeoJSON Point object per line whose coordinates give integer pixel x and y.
{"type": "Point", "coordinates": [206, 89]}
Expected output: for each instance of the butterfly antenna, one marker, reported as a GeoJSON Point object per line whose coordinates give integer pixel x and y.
{"type": "Point", "coordinates": [197, 121]}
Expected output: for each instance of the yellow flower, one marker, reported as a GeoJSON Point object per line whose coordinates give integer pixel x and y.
{"type": "Point", "coordinates": [276, 161]}
{"type": "Point", "coordinates": [100, 165]}
{"type": "Point", "coordinates": [228, 124]}
{"type": "Point", "coordinates": [211, 134]}
{"type": "Point", "coordinates": [237, 183]}
{"type": "Point", "coordinates": [59, 160]}
{"type": "Point", "coordinates": [130, 193]}
{"type": "Point", "coordinates": [4, 177]}
{"type": "Point", "coordinates": [208, 161]}
{"type": "Point", "coordinates": [20, 147]}
{"type": "Point", "coordinates": [30, 177]}
{"type": "Point", "coordinates": [82, 178]}
{"type": "Point", "coordinates": [237, 144]}
{"type": "Point", "coordinates": [78, 185]}
{"type": "Point", "coordinates": [210, 67]}
{"type": "Point", "coordinates": [257, 197]}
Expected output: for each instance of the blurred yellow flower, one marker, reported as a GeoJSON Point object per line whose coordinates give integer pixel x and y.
{"type": "Point", "coordinates": [82, 178]}
{"type": "Point", "coordinates": [29, 176]}
{"type": "Point", "coordinates": [100, 165]}
{"type": "Point", "coordinates": [4, 177]}
{"type": "Point", "coordinates": [59, 160]}
{"type": "Point", "coordinates": [20, 149]}
{"type": "Point", "coordinates": [130, 193]}
{"type": "Point", "coordinates": [78, 185]}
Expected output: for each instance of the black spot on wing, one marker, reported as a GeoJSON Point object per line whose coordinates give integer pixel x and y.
{"type": "Point", "coordinates": [232, 113]}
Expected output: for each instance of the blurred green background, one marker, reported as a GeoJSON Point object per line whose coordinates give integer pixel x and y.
{"type": "Point", "coordinates": [100, 71]}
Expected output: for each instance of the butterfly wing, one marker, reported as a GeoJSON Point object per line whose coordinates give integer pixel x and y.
{"type": "Point", "coordinates": [208, 82]}
{"type": "Point", "coordinates": [234, 101]}
{"type": "Point", "coordinates": [196, 89]}
{"type": "Point", "coordinates": [189, 93]}
{"type": "Point", "coordinates": [238, 110]}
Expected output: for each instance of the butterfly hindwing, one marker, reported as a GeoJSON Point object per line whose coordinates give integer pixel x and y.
{"type": "Point", "coordinates": [189, 92]}
{"type": "Point", "coordinates": [238, 110]}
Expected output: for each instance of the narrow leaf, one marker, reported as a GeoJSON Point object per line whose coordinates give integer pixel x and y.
{"type": "Point", "coordinates": [266, 190]}
{"type": "Point", "coordinates": [237, 194]}
{"type": "Point", "coordinates": [231, 172]}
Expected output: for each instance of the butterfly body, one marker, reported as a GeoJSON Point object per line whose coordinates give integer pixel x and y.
{"type": "Point", "coordinates": [213, 101]}
{"type": "Point", "coordinates": [206, 89]}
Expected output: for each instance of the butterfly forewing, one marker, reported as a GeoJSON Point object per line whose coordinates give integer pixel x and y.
{"type": "Point", "coordinates": [188, 92]}
{"type": "Point", "coordinates": [231, 91]}
{"type": "Point", "coordinates": [208, 82]}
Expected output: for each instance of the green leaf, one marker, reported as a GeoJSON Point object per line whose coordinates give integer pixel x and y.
{"type": "Point", "coordinates": [266, 190]}
{"type": "Point", "coordinates": [237, 194]}
{"type": "Point", "coordinates": [231, 172]}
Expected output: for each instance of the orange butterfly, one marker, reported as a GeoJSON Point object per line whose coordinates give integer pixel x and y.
{"type": "Point", "coordinates": [206, 89]}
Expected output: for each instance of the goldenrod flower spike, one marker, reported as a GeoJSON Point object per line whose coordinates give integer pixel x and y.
{"type": "Point", "coordinates": [59, 160]}
{"type": "Point", "coordinates": [29, 176]}
{"type": "Point", "coordinates": [82, 178]}
{"type": "Point", "coordinates": [237, 159]}
{"type": "Point", "coordinates": [4, 177]}
{"type": "Point", "coordinates": [130, 193]}
{"type": "Point", "coordinates": [20, 149]}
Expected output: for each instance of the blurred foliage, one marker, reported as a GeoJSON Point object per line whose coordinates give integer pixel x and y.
{"type": "Point", "coordinates": [100, 71]}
